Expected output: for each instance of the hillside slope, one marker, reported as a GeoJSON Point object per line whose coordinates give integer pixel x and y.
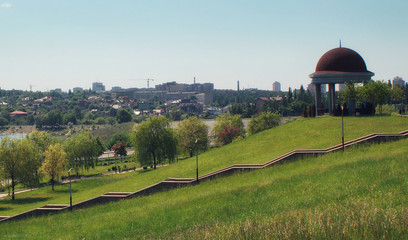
{"type": "Point", "coordinates": [259, 148]}
{"type": "Point", "coordinates": [361, 193]}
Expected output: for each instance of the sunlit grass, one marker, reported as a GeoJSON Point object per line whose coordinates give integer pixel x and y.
{"type": "Point", "coordinates": [361, 193]}
{"type": "Point", "coordinates": [258, 148]}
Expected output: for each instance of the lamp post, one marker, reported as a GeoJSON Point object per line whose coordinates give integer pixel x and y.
{"type": "Point", "coordinates": [342, 126]}
{"type": "Point", "coordinates": [70, 189]}
{"type": "Point", "coordinates": [196, 142]}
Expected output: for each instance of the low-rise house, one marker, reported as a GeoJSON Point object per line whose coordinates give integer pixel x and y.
{"type": "Point", "coordinates": [18, 114]}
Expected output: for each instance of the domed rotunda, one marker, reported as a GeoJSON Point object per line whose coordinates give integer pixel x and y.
{"type": "Point", "coordinates": [338, 66]}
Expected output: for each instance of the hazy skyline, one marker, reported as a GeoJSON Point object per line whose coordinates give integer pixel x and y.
{"type": "Point", "coordinates": [64, 44]}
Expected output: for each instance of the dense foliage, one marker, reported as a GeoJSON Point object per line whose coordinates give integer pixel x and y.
{"type": "Point", "coordinates": [228, 128]}
{"type": "Point", "coordinates": [192, 135]}
{"type": "Point", "coordinates": [154, 141]}
{"type": "Point", "coordinates": [54, 162]}
{"type": "Point", "coordinates": [82, 151]}
{"type": "Point", "coordinates": [263, 121]}
{"type": "Point", "coordinates": [366, 97]}
{"type": "Point", "coordinates": [19, 162]}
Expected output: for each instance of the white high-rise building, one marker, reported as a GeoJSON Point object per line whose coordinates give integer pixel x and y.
{"type": "Point", "coordinates": [98, 87]}
{"type": "Point", "coordinates": [276, 86]}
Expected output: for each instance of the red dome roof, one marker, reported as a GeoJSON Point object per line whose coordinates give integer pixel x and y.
{"type": "Point", "coordinates": [341, 60]}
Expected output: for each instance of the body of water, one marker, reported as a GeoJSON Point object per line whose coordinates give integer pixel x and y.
{"type": "Point", "coordinates": [20, 136]}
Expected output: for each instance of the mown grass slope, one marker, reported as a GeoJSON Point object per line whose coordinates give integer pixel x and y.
{"type": "Point", "coordinates": [258, 148]}
{"type": "Point", "coordinates": [359, 194]}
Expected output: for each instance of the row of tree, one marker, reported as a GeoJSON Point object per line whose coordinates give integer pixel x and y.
{"type": "Point", "coordinates": [25, 161]}
{"type": "Point", "coordinates": [156, 142]}
{"type": "Point", "coordinates": [376, 93]}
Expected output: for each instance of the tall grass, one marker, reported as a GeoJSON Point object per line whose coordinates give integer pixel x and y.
{"type": "Point", "coordinates": [359, 194]}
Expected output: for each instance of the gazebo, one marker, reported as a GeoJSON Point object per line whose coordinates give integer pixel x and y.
{"type": "Point", "coordinates": [337, 66]}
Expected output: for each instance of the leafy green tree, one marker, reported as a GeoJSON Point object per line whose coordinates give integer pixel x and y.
{"type": "Point", "coordinates": [54, 163]}
{"type": "Point", "coordinates": [350, 93]}
{"type": "Point", "coordinates": [192, 135]}
{"type": "Point", "coordinates": [19, 162]}
{"type": "Point", "coordinates": [154, 141]}
{"type": "Point", "coordinates": [3, 121]}
{"type": "Point", "coordinates": [376, 92]}
{"type": "Point", "coordinates": [224, 121]}
{"type": "Point", "coordinates": [118, 137]}
{"type": "Point", "coordinates": [397, 94]}
{"type": "Point", "coordinates": [54, 118]}
{"type": "Point", "coordinates": [123, 115]}
{"type": "Point", "coordinates": [100, 148]}
{"type": "Point", "coordinates": [82, 151]}
{"type": "Point", "coordinates": [349, 96]}
{"type": "Point", "coordinates": [41, 140]}
{"type": "Point", "coordinates": [69, 118]}
{"type": "Point", "coordinates": [263, 121]}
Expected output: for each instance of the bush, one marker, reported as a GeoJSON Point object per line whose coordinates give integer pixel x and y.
{"type": "Point", "coordinates": [228, 135]}
{"type": "Point", "coordinates": [263, 121]}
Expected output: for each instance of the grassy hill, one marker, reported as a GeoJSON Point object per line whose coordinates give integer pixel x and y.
{"type": "Point", "coordinates": [259, 148]}
{"type": "Point", "coordinates": [361, 193]}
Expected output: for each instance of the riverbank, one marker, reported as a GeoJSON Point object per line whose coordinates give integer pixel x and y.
{"type": "Point", "coordinates": [16, 130]}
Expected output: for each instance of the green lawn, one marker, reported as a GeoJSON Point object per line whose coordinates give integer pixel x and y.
{"type": "Point", "coordinates": [359, 194]}
{"type": "Point", "coordinates": [258, 148]}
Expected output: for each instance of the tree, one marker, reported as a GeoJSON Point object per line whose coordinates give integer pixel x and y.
{"type": "Point", "coordinates": [263, 121]}
{"type": "Point", "coordinates": [123, 115]}
{"type": "Point", "coordinates": [376, 92]}
{"type": "Point", "coordinates": [119, 149]}
{"type": "Point", "coordinates": [41, 140]}
{"type": "Point", "coordinates": [224, 121]}
{"type": "Point", "coordinates": [350, 95]}
{"type": "Point", "coordinates": [82, 151]}
{"type": "Point", "coordinates": [54, 163]}
{"type": "Point", "coordinates": [228, 134]}
{"type": "Point", "coordinates": [54, 118]}
{"type": "Point", "coordinates": [154, 141]}
{"type": "Point", "coordinates": [397, 94]}
{"type": "Point", "coordinates": [188, 131]}
{"type": "Point", "coordinates": [100, 148]}
{"type": "Point", "coordinates": [69, 118]}
{"type": "Point", "coordinates": [3, 121]}
{"type": "Point", "coordinates": [19, 162]}
{"type": "Point", "coordinates": [118, 137]}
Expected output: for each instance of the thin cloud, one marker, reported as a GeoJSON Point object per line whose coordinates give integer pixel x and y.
{"type": "Point", "coordinates": [5, 5]}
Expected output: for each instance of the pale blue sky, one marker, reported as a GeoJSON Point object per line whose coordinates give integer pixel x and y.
{"type": "Point", "coordinates": [64, 44]}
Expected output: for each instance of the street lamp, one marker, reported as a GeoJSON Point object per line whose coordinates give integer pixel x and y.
{"type": "Point", "coordinates": [196, 142]}
{"type": "Point", "coordinates": [342, 126]}
{"type": "Point", "coordinates": [70, 189]}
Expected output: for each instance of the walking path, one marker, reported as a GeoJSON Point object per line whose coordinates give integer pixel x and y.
{"type": "Point", "coordinates": [4, 194]}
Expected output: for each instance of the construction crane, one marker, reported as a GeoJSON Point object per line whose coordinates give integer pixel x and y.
{"type": "Point", "coordinates": [144, 79]}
